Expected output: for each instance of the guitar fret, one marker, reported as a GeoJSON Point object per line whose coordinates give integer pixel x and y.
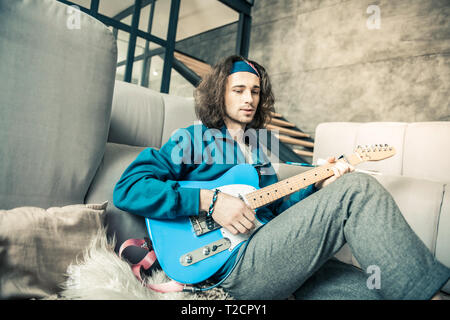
{"type": "Point", "coordinates": [266, 195]}
{"type": "Point", "coordinates": [288, 186]}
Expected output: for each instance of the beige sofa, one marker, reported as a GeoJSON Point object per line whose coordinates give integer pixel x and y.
{"type": "Point", "coordinates": [417, 176]}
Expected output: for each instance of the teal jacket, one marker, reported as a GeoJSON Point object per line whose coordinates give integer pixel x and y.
{"type": "Point", "coordinates": [149, 187]}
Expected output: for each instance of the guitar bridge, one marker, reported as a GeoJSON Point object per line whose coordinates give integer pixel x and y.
{"type": "Point", "coordinates": [203, 224]}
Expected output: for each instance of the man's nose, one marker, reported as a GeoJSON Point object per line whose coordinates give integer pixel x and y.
{"type": "Point", "coordinates": [248, 97]}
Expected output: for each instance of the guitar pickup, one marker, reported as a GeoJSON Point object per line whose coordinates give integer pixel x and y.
{"type": "Point", "coordinates": [202, 224]}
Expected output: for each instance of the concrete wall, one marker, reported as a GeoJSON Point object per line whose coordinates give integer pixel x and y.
{"type": "Point", "coordinates": [329, 62]}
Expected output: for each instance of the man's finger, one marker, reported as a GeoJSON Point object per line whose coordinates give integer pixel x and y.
{"type": "Point", "coordinates": [341, 167]}
{"type": "Point", "coordinates": [250, 215]}
{"type": "Point", "coordinates": [239, 227]}
{"type": "Point", "coordinates": [246, 223]}
{"type": "Point", "coordinates": [232, 229]}
{"type": "Point", "coordinates": [336, 172]}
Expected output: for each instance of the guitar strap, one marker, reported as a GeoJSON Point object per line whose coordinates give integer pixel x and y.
{"type": "Point", "coordinates": [260, 167]}
{"type": "Point", "coordinates": [170, 286]}
{"type": "Point", "coordinates": [146, 263]}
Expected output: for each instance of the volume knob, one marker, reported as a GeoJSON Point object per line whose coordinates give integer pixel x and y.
{"type": "Point", "coordinates": [188, 258]}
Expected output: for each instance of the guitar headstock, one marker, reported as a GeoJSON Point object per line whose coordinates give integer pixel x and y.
{"type": "Point", "coordinates": [375, 152]}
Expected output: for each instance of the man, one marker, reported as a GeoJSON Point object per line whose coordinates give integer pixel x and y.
{"type": "Point", "coordinates": [293, 253]}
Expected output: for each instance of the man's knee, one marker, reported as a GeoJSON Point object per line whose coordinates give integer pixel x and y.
{"type": "Point", "coordinates": [362, 182]}
{"type": "Point", "coordinates": [358, 178]}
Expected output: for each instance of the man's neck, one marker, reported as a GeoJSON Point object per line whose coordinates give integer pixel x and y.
{"type": "Point", "coordinates": [236, 132]}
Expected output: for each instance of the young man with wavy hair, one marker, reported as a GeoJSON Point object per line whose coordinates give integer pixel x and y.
{"type": "Point", "coordinates": [292, 254]}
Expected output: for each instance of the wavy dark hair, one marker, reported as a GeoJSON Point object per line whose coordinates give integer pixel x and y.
{"type": "Point", "coordinates": [210, 95]}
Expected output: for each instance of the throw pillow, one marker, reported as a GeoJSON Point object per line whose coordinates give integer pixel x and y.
{"type": "Point", "coordinates": [37, 245]}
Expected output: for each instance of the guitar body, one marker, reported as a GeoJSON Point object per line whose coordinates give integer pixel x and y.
{"type": "Point", "coordinates": [174, 238]}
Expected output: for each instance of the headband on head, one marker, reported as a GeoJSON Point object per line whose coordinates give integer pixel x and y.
{"type": "Point", "coordinates": [244, 66]}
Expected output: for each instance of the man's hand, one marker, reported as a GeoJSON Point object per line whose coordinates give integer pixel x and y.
{"type": "Point", "coordinates": [340, 168]}
{"type": "Point", "coordinates": [230, 212]}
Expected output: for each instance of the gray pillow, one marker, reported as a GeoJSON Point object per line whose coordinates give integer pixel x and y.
{"type": "Point", "coordinates": [37, 245]}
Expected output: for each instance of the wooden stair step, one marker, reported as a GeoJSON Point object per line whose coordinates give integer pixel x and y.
{"type": "Point", "coordinates": [275, 114]}
{"type": "Point", "coordinates": [197, 66]}
{"type": "Point", "coordinates": [302, 152]}
{"type": "Point", "coordinates": [295, 141]}
{"type": "Point", "coordinates": [282, 123]}
{"type": "Point", "coordinates": [289, 132]}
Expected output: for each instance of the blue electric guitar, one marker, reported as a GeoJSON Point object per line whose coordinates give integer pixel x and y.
{"type": "Point", "coordinates": [192, 249]}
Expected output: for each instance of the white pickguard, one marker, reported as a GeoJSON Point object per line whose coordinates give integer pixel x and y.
{"type": "Point", "coordinates": [238, 190]}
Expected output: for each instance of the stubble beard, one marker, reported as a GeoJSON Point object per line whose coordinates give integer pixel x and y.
{"type": "Point", "coordinates": [237, 121]}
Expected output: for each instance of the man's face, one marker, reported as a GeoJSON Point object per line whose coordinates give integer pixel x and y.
{"type": "Point", "coordinates": [241, 99]}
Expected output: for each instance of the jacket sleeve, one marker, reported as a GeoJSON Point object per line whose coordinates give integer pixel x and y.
{"type": "Point", "coordinates": [149, 186]}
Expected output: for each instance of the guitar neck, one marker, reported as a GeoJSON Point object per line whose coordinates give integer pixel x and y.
{"type": "Point", "coordinates": [264, 196]}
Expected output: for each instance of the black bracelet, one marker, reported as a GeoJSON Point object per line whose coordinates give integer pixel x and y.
{"type": "Point", "coordinates": [211, 207]}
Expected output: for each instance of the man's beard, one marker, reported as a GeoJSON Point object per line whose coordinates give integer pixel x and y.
{"type": "Point", "coordinates": [233, 119]}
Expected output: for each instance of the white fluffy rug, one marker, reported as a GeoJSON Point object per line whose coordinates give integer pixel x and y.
{"type": "Point", "coordinates": [102, 275]}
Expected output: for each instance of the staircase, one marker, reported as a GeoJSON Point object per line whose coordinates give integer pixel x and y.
{"type": "Point", "coordinates": [300, 142]}
{"type": "Point", "coordinates": [295, 145]}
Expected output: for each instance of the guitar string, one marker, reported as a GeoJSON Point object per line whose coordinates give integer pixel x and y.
{"type": "Point", "coordinates": [321, 172]}
{"type": "Point", "coordinates": [285, 187]}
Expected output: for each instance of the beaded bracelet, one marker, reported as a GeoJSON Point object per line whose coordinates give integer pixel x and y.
{"type": "Point", "coordinates": [213, 202]}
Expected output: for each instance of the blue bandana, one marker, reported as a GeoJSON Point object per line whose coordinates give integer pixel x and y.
{"type": "Point", "coordinates": [243, 66]}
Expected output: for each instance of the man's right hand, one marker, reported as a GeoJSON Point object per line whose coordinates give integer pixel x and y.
{"type": "Point", "coordinates": [230, 212]}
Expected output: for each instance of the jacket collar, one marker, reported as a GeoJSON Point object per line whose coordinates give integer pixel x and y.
{"type": "Point", "coordinates": [259, 158]}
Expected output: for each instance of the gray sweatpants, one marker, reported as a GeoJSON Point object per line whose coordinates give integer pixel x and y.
{"type": "Point", "coordinates": [293, 253]}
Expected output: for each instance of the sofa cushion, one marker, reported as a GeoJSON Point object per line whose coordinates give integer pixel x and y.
{"type": "Point", "coordinates": [55, 102]}
{"type": "Point", "coordinates": [37, 246]}
{"type": "Point", "coordinates": [425, 207]}
{"type": "Point", "coordinates": [427, 150]}
{"type": "Point", "coordinates": [137, 116]}
{"type": "Point", "coordinates": [337, 138]}
{"type": "Point", "coordinates": [334, 139]}
{"type": "Point", "coordinates": [419, 201]}
{"type": "Point", "coordinates": [179, 112]}
{"type": "Point", "coordinates": [390, 133]}
{"type": "Point", "coordinates": [120, 224]}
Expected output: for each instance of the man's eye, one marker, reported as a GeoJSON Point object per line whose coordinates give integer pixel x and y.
{"type": "Point", "coordinates": [238, 91]}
